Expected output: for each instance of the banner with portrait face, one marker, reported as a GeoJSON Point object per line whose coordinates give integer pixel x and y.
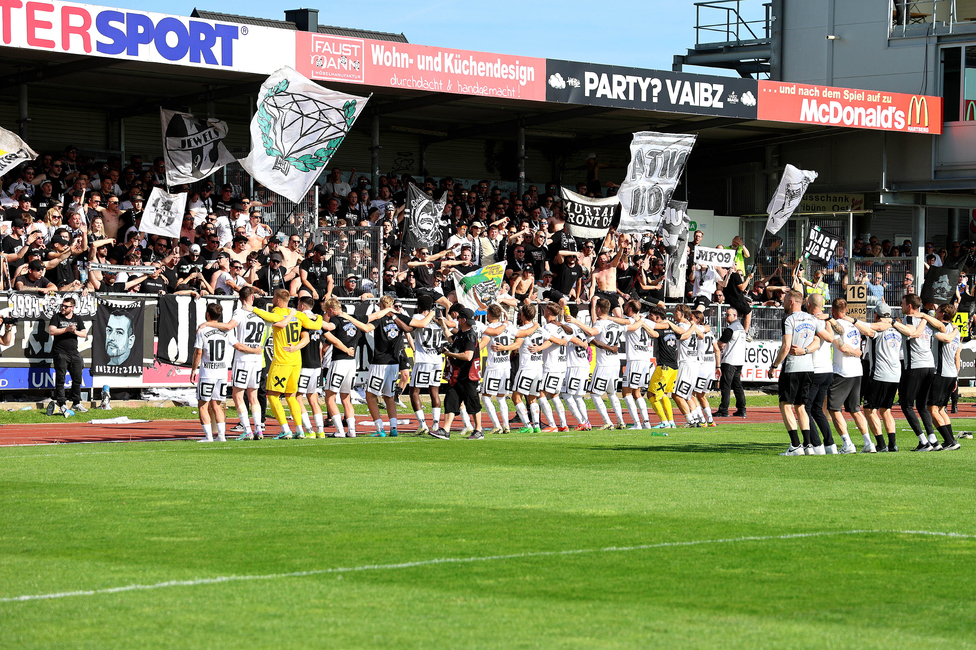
{"type": "Point", "coordinates": [421, 220]}
{"type": "Point", "coordinates": [117, 345]}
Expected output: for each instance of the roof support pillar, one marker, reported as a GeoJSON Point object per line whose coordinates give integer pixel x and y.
{"type": "Point", "coordinates": [374, 153]}
{"type": "Point", "coordinates": [521, 156]}
{"type": "Point", "coordinates": [422, 157]}
{"type": "Point", "coordinates": [24, 118]}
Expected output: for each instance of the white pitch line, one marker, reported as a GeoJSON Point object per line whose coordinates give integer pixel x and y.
{"type": "Point", "coordinates": [466, 560]}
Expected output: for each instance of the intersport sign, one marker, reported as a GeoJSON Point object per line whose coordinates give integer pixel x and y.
{"type": "Point", "coordinates": [145, 36]}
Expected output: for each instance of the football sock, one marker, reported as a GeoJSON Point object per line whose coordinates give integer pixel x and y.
{"type": "Point", "coordinates": [573, 408]}
{"type": "Point", "coordinates": [846, 439]}
{"type": "Point", "coordinates": [208, 430]}
{"type": "Point", "coordinates": [632, 409]}
{"type": "Point", "coordinates": [221, 431]}
{"type": "Point", "coordinates": [891, 438]}
{"type": "Point", "coordinates": [617, 408]}
{"type": "Point", "coordinates": [435, 414]}
{"type": "Point", "coordinates": [297, 410]}
{"type": "Point", "coordinates": [421, 419]}
{"type": "Point", "coordinates": [256, 414]}
{"type": "Point", "coordinates": [306, 421]}
{"type": "Point", "coordinates": [279, 412]}
{"type": "Point", "coordinates": [806, 436]}
{"type": "Point", "coordinates": [879, 441]}
{"type": "Point", "coordinates": [642, 404]}
{"type": "Point", "coordinates": [351, 427]}
{"type": "Point", "coordinates": [601, 408]}
{"type": "Point", "coordinates": [581, 407]}
{"type": "Point", "coordinates": [379, 425]}
{"type": "Point", "coordinates": [534, 411]}
{"type": "Point", "coordinates": [337, 421]}
{"type": "Point", "coordinates": [546, 410]}
{"type": "Point", "coordinates": [690, 417]}
{"type": "Point", "coordinates": [948, 427]}
{"type": "Point", "coordinates": [560, 411]}
{"type": "Point", "coordinates": [393, 424]}
{"type": "Point", "coordinates": [658, 407]}
{"type": "Point", "coordinates": [490, 410]}
{"type": "Point", "coordinates": [523, 414]}
{"type": "Point", "coordinates": [708, 414]}
{"type": "Point", "coordinates": [242, 414]}
{"type": "Point", "coordinates": [319, 423]}
{"type": "Point", "coordinates": [503, 411]}
{"type": "Point", "coordinates": [922, 439]}
{"type": "Point", "coordinates": [465, 419]}
{"type": "Point", "coordinates": [668, 411]}
{"type": "Point", "coordinates": [794, 438]}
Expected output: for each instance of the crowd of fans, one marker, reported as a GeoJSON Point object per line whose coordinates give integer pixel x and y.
{"type": "Point", "coordinates": [64, 212]}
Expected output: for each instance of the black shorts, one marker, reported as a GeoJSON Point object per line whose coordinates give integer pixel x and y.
{"type": "Point", "coordinates": [794, 387]}
{"type": "Point", "coordinates": [941, 391]}
{"type": "Point", "coordinates": [701, 300]}
{"type": "Point", "coordinates": [742, 308]}
{"type": "Point", "coordinates": [880, 395]}
{"type": "Point", "coordinates": [915, 387]}
{"type": "Point", "coordinates": [845, 392]}
{"type": "Point", "coordinates": [464, 392]}
{"type": "Point", "coordinates": [612, 297]}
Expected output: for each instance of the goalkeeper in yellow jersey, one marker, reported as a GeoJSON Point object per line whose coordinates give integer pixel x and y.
{"type": "Point", "coordinates": [287, 364]}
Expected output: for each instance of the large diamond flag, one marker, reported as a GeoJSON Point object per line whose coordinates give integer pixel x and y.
{"type": "Point", "coordinates": [298, 127]}
{"type": "Point", "coordinates": [13, 151]}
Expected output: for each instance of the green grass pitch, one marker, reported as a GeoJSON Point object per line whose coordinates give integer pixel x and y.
{"type": "Point", "coordinates": [706, 538]}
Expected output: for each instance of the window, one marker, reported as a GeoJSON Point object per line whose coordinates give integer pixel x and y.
{"type": "Point", "coordinates": [951, 81]}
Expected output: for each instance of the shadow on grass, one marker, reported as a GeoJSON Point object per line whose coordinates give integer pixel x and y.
{"type": "Point", "coordinates": [758, 448]}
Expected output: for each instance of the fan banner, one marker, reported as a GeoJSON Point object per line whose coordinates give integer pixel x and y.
{"type": "Point", "coordinates": [13, 151]}
{"type": "Point", "coordinates": [117, 342]}
{"type": "Point", "coordinates": [478, 289]}
{"type": "Point", "coordinates": [657, 161]}
{"type": "Point", "coordinates": [296, 130]}
{"type": "Point", "coordinates": [588, 218]}
{"type": "Point", "coordinates": [193, 147]}
{"type": "Point", "coordinates": [820, 245]}
{"type": "Point", "coordinates": [788, 195]}
{"type": "Point", "coordinates": [164, 213]}
{"type": "Point", "coordinates": [940, 285]}
{"type": "Point", "coordinates": [675, 228]}
{"type": "Point", "coordinates": [421, 220]}
{"type": "Point", "coordinates": [723, 257]}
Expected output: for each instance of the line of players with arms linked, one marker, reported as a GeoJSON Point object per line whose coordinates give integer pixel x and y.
{"type": "Point", "coordinates": [550, 373]}
{"type": "Point", "coordinates": [836, 358]}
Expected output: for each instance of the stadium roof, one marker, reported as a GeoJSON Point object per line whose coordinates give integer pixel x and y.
{"type": "Point", "coordinates": [287, 24]}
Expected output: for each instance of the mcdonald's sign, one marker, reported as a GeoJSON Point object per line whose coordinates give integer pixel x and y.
{"type": "Point", "coordinates": [850, 108]}
{"type": "Point", "coordinates": [918, 112]}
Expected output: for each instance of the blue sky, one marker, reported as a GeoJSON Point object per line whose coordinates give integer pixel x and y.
{"type": "Point", "coordinates": [640, 34]}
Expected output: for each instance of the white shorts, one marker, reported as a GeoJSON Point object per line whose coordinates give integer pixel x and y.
{"type": "Point", "coordinates": [638, 374]}
{"type": "Point", "coordinates": [246, 376]}
{"type": "Point", "coordinates": [212, 388]}
{"type": "Point", "coordinates": [706, 376]}
{"type": "Point", "coordinates": [341, 375]}
{"type": "Point", "coordinates": [528, 382]}
{"type": "Point", "coordinates": [684, 385]}
{"type": "Point", "coordinates": [309, 380]}
{"type": "Point", "coordinates": [604, 380]}
{"type": "Point", "coordinates": [496, 381]}
{"type": "Point", "coordinates": [575, 383]}
{"type": "Point", "coordinates": [382, 378]}
{"type": "Point", "coordinates": [426, 375]}
{"type": "Point", "coordinates": [552, 383]}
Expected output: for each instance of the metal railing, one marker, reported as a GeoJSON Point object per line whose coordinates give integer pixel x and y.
{"type": "Point", "coordinates": [919, 17]}
{"type": "Point", "coordinates": [734, 27]}
{"type": "Point", "coordinates": [280, 214]}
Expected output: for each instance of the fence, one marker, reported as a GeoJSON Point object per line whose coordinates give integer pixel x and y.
{"type": "Point", "coordinates": [280, 213]}
{"type": "Point", "coordinates": [356, 251]}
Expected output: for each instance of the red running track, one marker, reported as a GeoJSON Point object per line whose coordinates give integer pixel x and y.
{"type": "Point", "coordinates": [60, 431]}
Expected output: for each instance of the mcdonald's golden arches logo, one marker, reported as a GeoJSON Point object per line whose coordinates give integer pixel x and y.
{"type": "Point", "coordinates": [915, 108]}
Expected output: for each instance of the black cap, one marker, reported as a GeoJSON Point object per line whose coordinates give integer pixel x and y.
{"type": "Point", "coordinates": [237, 205]}
{"type": "Point", "coordinates": [466, 314]}
{"type": "Point", "coordinates": [240, 238]}
{"type": "Point", "coordinates": [17, 223]}
{"type": "Point", "coordinates": [277, 257]}
{"type": "Point", "coordinates": [36, 265]}
{"type": "Point", "coordinates": [227, 187]}
{"type": "Point", "coordinates": [320, 248]}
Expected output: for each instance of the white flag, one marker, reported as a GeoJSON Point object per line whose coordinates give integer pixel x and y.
{"type": "Point", "coordinates": [193, 147]}
{"type": "Point", "coordinates": [656, 163]}
{"type": "Point", "coordinates": [13, 151]}
{"type": "Point", "coordinates": [297, 129]}
{"type": "Point", "coordinates": [164, 213]}
{"type": "Point", "coordinates": [790, 192]}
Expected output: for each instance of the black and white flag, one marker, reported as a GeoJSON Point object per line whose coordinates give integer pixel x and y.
{"type": "Point", "coordinates": [588, 218]}
{"type": "Point", "coordinates": [788, 195]}
{"type": "Point", "coordinates": [657, 161]}
{"type": "Point", "coordinates": [164, 213]}
{"type": "Point", "coordinates": [674, 231]}
{"type": "Point", "coordinates": [420, 219]}
{"type": "Point", "coordinates": [193, 147]}
{"type": "Point", "coordinates": [721, 257]}
{"type": "Point", "coordinates": [820, 245]}
{"type": "Point", "coordinates": [940, 285]}
{"type": "Point", "coordinates": [117, 341]}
